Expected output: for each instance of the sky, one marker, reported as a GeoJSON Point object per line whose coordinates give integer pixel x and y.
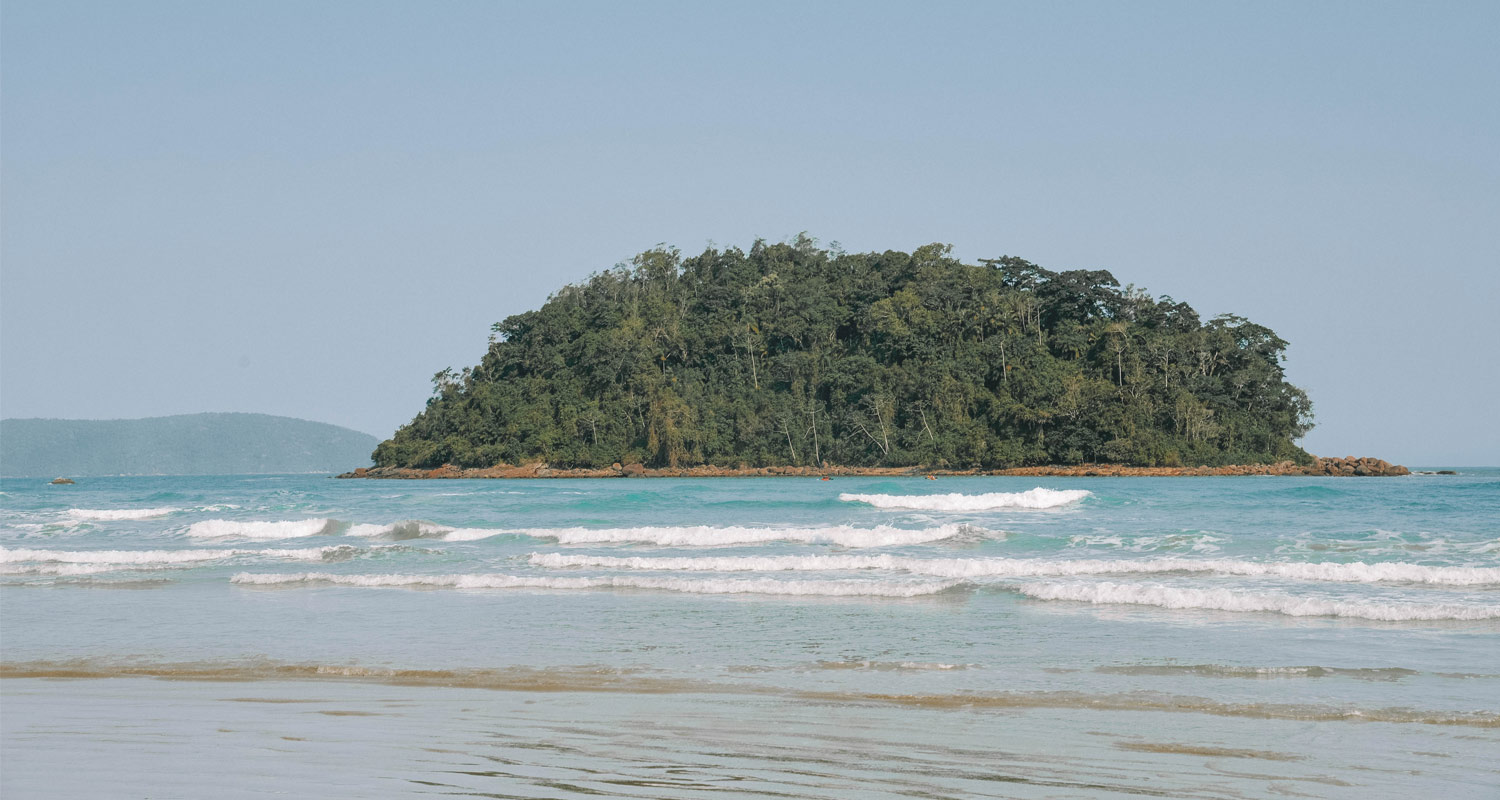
{"type": "Point", "coordinates": [308, 208]}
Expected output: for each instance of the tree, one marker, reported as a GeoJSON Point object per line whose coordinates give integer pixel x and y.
{"type": "Point", "coordinates": [792, 354]}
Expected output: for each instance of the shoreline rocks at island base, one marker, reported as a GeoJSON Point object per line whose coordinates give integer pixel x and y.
{"type": "Point", "coordinates": [1348, 466]}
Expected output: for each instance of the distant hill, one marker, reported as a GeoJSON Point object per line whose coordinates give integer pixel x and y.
{"type": "Point", "coordinates": [189, 444]}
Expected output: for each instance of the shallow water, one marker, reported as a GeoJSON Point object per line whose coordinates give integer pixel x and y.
{"type": "Point", "coordinates": [1012, 637]}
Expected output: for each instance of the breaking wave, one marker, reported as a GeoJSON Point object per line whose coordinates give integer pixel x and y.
{"type": "Point", "coordinates": [399, 531]}
{"type": "Point", "coordinates": [472, 534]}
{"type": "Point", "coordinates": [1271, 602]}
{"type": "Point", "coordinates": [847, 588]}
{"type": "Point", "coordinates": [709, 536]}
{"type": "Point", "coordinates": [1037, 498]}
{"type": "Point", "coordinates": [283, 529]}
{"type": "Point", "coordinates": [887, 666]}
{"type": "Point", "coordinates": [66, 569]}
{"type": "Point", "coordinates": [1025, 568]}
{"type": "Point", "coordinates": [117, 559]}
{"type": "Point", "coordinates": [1183, 541]}
{"type": "Point", "coordinates": [1386, 674]}
{"type": "Point", "coordinates": [110, 514]}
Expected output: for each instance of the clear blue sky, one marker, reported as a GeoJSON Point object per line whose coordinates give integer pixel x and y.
{"type": "Point", "coordinates": [308, 208]}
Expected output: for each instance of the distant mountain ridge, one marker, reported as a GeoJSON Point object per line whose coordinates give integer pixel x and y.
{"type": "Point", "coordinates": [186, 444]}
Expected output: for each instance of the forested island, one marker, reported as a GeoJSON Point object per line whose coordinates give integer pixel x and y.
{"type": "Point", "coordinates": [794, 355]}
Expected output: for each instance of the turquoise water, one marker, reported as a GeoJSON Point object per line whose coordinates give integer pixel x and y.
{"type": "Point", "coordinates": [1009, 637]}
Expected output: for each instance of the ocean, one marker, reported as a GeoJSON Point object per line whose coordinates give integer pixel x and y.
{"type": "Point", "coordinates": [243, 636]}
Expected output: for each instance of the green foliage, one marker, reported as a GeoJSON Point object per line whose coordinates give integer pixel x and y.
{"type": "Point", "coordinates": [792, 354]}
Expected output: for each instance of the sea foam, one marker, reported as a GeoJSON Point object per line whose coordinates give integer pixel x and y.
{"type": "Point", "coordinates": [1038, 498]}
{"type": "Point", "coordinates": [1272, 602]}
{"type": "Point", "coordinates": [68, 570]}
{"type": "Point", "coordinates": [406, 529]}
{"type": "Point", "coordinates": [969, 568]}
{"type": "Point", "coordinates": [709, 536]}
{"type": "Point", "coordinates": [112, 514]}
{"type": "Point", "coordinates": [845, 588]}
{"type": "Point", "coordinates": [282, 529]}
{"type": "Point", "coordinates": [121, 558]}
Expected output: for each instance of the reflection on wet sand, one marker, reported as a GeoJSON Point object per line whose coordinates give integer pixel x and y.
{"type": "Point", "coordinates": [296, 736]}
{"type": "Point", "coordinates": [596, 679]}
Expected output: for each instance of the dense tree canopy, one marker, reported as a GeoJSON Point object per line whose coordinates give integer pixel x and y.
{"type": "Point", "coordinates": [790, 354]}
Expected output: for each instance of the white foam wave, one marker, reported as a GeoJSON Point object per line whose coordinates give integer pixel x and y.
{"type": "Point", "coordinates": [845, 588]}
{"type": "Point", "coordinates": [406, 529]}
{"type": "Point", "coordinates": [120, 559]}
{"type": "Point", "coordinates": [890, 666]}
{"type": "Point", "coordinates": [970, 568]}
{"type": "Point", "coordinates": [1198, 542]}
{"type": "Point", "coordinates": [473, 534]}
{"type": "Point", "coordinates": [709, 536]}
{"type": "Point", "coordinates": [109, 514]}
{"type": "Point", "coordinates": [1272, 602]}
{"type": "Point", "coordinates": [1038, 498]}
{"type": "Point", "coordinates": [282, 529]}
{"type": "Point", "coordinates": [65, 570]}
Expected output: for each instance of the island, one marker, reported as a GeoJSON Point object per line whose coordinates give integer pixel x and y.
{"type": "Point", "coordinates": [791, 358]}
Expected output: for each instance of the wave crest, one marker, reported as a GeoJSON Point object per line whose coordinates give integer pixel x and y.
{"type": "Point", "coordinates": [968, 568]}
{"type": "Point", "coordinates": [123, 559]}
{"type": "Point", "coordinates": [1038, 498]}
{"type": "Point", "coordinates": [710, 536]}
{"type": "Point", "coordinates": [848, 588]}
{"type": "Point", "coordinates": [1272, 602]}
{"type": "Point", "coordinates": [281, 529]}
{"type": "Point", "coordinates": [115, 514]}
{"type": "Point", "coordinates": [400, 531]}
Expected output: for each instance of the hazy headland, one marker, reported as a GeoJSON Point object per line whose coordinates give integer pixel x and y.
{"type": "Point", "coordinates": [187, 444]}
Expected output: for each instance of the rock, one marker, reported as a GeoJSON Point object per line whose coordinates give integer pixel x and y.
{"type": "Point", "coordinates": [633, 470]}
{"type": "Point", "coordinates": [1349, 466]}
{"type": "Point", "coordinates": [62, 481]}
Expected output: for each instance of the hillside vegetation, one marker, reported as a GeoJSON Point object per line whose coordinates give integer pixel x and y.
{"type": "Point", "coordinates": [791, 354]}
{"type": "Point", "coordinates": [190, 444]}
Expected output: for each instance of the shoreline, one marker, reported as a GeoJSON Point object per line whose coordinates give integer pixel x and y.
{"type": "Point", "coordinates": [1348, 466]}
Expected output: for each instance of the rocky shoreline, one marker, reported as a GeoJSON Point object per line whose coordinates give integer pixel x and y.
{"type": "Point", "coordinates": [1349, 466]}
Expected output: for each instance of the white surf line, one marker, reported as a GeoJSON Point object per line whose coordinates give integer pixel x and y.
{"type": "Point", "coordinates": [114, 514]}
{"type": "Point", "coordinates": [1034, 499]}
{"type": "Point", "coordinates": [710, 536]}
{"type": "Point", "coordinates": [252, 529]}
{"type": "Point", "coordinates": [968, 568]}
{"type": "Point", "coordinates": [846, 588]}
{"type": "Point", "coordinates": [1107, 593]}
{"type": "Point", "coordinates": [122, 557]}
